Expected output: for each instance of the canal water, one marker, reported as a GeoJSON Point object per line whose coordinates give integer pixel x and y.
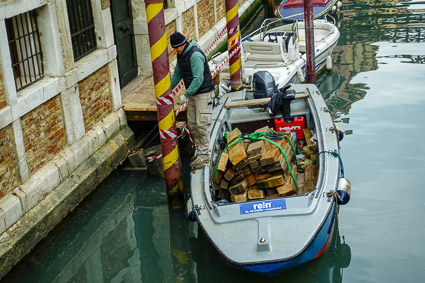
{"type": "Point", "coordinates": [123, 232]}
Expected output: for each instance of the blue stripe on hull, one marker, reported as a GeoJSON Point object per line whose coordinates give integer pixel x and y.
{"type": "Point", "coordinates": [274, 269]}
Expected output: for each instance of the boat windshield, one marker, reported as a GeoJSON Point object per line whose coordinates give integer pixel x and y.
{"type": "Point", "coordinates": [281, 25]}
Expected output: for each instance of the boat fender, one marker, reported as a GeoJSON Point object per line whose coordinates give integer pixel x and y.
{"type": "Point", "coordinates": [343, 191]}
{"type": "Point", "coordinates": [340, 132]}
{"type": "Point", "coordinates": [191, 212]}
{"type": "Point", "coordinates": [339, 4]}
{"type": "Point", "coordinates": [333, 10]}
{"type": "Point", "coordinates": [329, 63]}
{"type": "Point", "coordinates": [300, 75]}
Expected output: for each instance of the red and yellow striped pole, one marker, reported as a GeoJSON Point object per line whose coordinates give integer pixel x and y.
{"type": "Point", "coordinates": [233, 41]}
{"type": "Point", "coordinates": [166, 118]}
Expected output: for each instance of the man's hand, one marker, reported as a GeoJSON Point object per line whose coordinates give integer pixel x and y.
{"type": "Point", "coordinates": [182, 99]}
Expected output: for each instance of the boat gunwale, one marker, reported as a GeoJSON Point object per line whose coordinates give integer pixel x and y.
{"type": "Point", "coordinates": [209, 214]}
{"type": "Point", "coordinates": [219, 210]}
{"type": "Point", "coordinates": [265, 262]}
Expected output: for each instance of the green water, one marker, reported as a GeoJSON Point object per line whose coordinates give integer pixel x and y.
{"type": "Point", "coordinates": [124, 232]}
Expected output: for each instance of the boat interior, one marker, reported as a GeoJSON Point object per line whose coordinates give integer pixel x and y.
{"type": "Point", "coordinates": [248, 120]}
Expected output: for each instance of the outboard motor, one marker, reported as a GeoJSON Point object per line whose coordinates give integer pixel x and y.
{"type": "Point", "coordinates": [264, 85]}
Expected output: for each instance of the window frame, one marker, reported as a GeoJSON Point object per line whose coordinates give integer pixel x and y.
{"type": "Point", "coordinates": [25, 47]}
{"type": "Point", "coordinates": [81, 27]}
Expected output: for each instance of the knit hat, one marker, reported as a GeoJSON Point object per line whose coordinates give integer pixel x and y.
{"type": "Point", "coordinates": [177, 39]}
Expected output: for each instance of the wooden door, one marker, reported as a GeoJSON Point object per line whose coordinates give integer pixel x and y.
{"type": "Point", "coordinates": [122, 20]}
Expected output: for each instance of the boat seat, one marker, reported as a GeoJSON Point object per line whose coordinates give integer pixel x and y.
{"type": "Point", "coordinates": [262, 51]}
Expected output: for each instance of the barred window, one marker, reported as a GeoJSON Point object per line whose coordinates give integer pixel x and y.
{"type": "Point", "coordinates": [81, 23]}
{"type": "Point", "coordinates": [25, 49]}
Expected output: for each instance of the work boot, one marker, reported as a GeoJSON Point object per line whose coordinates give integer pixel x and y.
{"type": "Point", "coordinates": [199, 161]}
{"type": "Point", "coordinates": [195, 155]}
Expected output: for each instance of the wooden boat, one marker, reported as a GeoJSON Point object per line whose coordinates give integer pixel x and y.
{"type": "Point", "coordinates": [273, 234]}
{"type": "Point", "coordinates": [294, 9]}
{"type": "Point", "coordinates": [279, 46]}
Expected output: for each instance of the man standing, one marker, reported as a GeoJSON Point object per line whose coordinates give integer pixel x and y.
{"type": "Point", "coordinates": [193, 67]}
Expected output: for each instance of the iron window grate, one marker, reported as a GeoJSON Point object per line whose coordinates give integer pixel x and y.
{"type": "Point", "coordinates": [25, 49]}
{"type": "Point", "coordinates": [81, 23]}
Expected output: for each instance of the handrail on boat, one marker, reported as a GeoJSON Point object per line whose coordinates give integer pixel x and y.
{"type": "Point", "coordinates": [332, 18]}
{"type": "Point", "coordinates": [271, 64]}
{"type": "Point", "coordinates": [267, 22]}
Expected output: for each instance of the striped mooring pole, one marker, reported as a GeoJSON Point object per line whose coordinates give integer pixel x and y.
{"type": "Point", "coordinates": [309, 41]}
{"type": "Point", "coordinates": [233, 41]}
{"type": "Point", "coordinates": [166, 117]}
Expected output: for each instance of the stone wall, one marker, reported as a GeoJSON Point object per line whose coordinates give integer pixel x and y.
{"type": "Point", "coordinates": [206, 18]}
{"type": "Point", "coordinates": [169, 30]}
{"type": "Point", "coordinates": [43, 130]}
{"type": "Point", "coordinates": [3, 102]}
{"type": "Point", "coordinates": [95, 97]}
{"type": "Point", "coordinates": [221, 8]}
{"type": "Point", "coordinates": [193, 18]}
{"type": "Point", "coordinates": [188, 18]}
{"type": "Point", "coordinates": [9, 178]}
{"type": "Point", "coordinates": [61, 136]}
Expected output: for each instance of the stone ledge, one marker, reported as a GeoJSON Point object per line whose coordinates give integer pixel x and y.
{"type": "Point", "coordinates": [30, 229]}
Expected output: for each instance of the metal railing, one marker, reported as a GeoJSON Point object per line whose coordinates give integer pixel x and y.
{"type": "Point", "coordinates": [81, 24]}
{"type": "Point", "coordinates": [25, 49]}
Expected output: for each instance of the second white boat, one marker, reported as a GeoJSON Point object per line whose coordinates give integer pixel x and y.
{"type": "Point", "coordinates": [279, 47]}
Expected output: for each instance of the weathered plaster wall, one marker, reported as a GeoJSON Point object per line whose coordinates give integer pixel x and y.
{"type": "Point", "coordinates": [206, 17]}
{"type": "Point", "coordinates": [9, 178]}
{"type": "Point", "coordinates": [221, 8]}
{"type": "Point", "coordinates": [43, 130]}
{"type": "Point", "coordinates": [56, 127]}
{"type": "Point", "coordinates": [188, 19]}
{"type": "Point", "coordinates": [200, 20]}
{"type": "Point", "coordinates": [169, 30]}
{"type": "Point", "coordinates": [3, 101]}
{"type": "Point", "coordinates": [95, 97]}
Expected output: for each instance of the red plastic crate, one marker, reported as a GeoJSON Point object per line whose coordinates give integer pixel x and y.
{"type": "Point", "coordinates": [296, 124]}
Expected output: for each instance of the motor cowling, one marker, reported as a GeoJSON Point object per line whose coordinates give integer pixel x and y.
{"type": "Point", "coordinates": [264, 85]}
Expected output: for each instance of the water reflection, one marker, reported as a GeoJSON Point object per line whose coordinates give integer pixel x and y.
{"type": "Point", "coordinates": [363, 24]}
{"type": "Point", "coordinates": [124, 232]}
{"type": "Point", "coordinates": [328, 268]}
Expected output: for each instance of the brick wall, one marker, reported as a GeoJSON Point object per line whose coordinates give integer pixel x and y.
{"type": "Point", "coordinates": [43, 130]}
{"type": "Point", "coordinates": [169, 30]}
{"type": "Point", "coordinates": [95, 97]}
{"type": "Point", "coordinates": [206, 18]}
{"type": "Point", "coordinates": [188, 22]}
{"type": "Point", "coordinates": [9, 178]}
{"type": "Point", "coordinates": [3, 102]}
{"type": "Point", "coordinates": [221, 9]}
